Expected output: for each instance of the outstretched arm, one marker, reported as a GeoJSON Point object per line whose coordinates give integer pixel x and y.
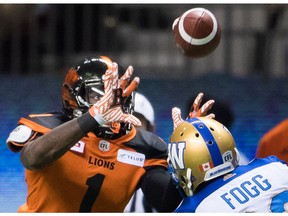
{"type": "Point", "coordinates": [53, 145]}
{"type": "Point", "coordinates": [57, 142]}
{"type": "Point", "coordinates": [196, 110]}
{"type": "Point", "coordinates": [159, 190]}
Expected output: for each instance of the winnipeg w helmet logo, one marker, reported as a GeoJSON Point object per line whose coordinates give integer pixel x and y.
{"type": "Point", "coordinates": [176, 154]}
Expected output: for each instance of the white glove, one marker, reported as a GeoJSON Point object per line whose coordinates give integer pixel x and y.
{"type": "Point", "coordinates": [109, 108]}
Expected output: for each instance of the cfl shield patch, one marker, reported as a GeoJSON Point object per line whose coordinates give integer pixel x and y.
{"type": "Point", "coordinates": [132, 158]}
{"type": "Point", "coordinates": [104, 145]}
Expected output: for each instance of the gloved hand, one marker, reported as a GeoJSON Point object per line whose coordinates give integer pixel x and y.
{"type": "Point", "coordinates": [195, 111]}
{"type": "Point", "coordinates": [109, 108]}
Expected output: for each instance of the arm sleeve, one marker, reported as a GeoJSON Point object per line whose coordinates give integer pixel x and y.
{"type": "Point", "coordinates": [159, 190]}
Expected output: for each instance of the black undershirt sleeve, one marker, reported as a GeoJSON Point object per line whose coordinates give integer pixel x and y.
{"type": "Point", "coordinates": [159, 190]}
{"type": "Point", "coordinates": [87, 123]}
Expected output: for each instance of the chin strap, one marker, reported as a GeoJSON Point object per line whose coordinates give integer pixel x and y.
{"type": "Point", "coordinates": [106, 132]}
{"type": "Point", "coordinates": [189, 182]}
{"type": "Point", "coordinates": [175, 179]}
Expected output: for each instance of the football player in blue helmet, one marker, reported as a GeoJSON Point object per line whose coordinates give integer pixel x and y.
{"type": "Point", "coordinates": [204, 164]}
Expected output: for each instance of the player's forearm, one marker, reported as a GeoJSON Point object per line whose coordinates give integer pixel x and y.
{"type": "Point", "coordinates": [56, 143]}
{"type": "Point", "coordinates": [160, 191]}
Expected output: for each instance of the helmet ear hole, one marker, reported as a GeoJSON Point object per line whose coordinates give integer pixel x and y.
{"type": "Point", "coordinates": [197, 135]}
{"type": "Point", "coordinates": [210, 142]}
{"type": "Point", "coordinates": [212, 129]}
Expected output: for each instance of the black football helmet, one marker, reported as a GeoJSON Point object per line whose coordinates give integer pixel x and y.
{"type": "Point", "coordinates": [83, 86]}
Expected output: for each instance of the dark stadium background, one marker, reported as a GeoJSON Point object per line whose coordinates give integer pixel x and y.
{"type": "Point", "coordinates": [38, 43]}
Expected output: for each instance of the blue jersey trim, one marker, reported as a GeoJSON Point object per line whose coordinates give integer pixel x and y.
{"type": "Point", "coordinates": [190, 204]}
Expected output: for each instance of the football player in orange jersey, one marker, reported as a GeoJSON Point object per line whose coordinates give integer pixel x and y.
{"type": "Point", "coordinates": [274, 142]}
{"type": "Point", "coordinates": [90, 157]}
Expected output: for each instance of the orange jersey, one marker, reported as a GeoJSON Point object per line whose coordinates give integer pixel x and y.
{"type": "Point", "coordinates": [274, 142]}
{"type": "Point", "coordinates": [96, 175]}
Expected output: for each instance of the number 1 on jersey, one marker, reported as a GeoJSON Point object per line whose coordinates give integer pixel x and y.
{"type": "Point", "coordinates": [94, 185]}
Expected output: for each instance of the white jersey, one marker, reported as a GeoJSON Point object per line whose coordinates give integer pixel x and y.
{"type": "Point", "coordinates": [260, 186]}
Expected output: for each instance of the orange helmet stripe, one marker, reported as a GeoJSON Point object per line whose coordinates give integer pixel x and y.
{"type": "Point", "coordinates": [108, 61]}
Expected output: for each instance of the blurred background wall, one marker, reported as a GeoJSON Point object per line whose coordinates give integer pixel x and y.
{"type": "Point", "coordinates": [39, 42]}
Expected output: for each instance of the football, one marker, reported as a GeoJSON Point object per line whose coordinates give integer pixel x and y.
{"type": "Point", "coordinates": [197, 32]}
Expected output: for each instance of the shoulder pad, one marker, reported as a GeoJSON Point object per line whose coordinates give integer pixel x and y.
{"type": "Point", "coordinates": [49, 120]}
{"type": "Point", "coordinates": [43, 122]}
{"type": "Point", "coordinates": [20, 134]}
{"type": "Point", "coordinates": [149, 144]}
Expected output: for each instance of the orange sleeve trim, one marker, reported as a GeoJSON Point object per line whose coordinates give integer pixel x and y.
{"type": "Point", "coordinates": [40, 115]}
{"type": "Point", "coordinates": [34, 126]}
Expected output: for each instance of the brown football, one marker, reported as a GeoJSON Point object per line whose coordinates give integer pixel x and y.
{"type": "Point", "coordinates": [197, 32]}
